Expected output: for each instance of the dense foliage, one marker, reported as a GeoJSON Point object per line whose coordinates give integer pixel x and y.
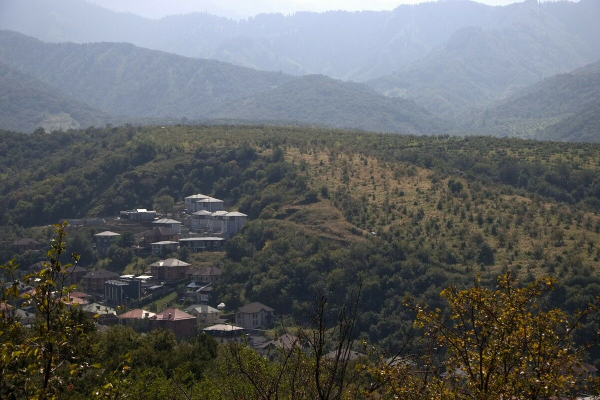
{"type": "Point", "coordinates": [329, 209]}
{"type": "Point", "coordinates": [498, 342]}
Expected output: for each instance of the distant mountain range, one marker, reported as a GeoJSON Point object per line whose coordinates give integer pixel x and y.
{"type": "Point", "coordinates": [456, 67]}
{"type": "Point", "coordinates": [129, 83]}
{"type": "Point", "coordinates": [545, 109]}
{"type": "Point", "coordinates": [477, 67]}
{"type": "Point", "coordinates": [344, 45]}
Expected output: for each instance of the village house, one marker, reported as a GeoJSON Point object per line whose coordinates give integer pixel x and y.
{"type": "Point", "coordinates": [254, 316]}
{"type": "Point", "coordinates": [104, 240]}
{"type": "Point", "coordinates": [223, 223]}
{"type": "Point", "coordinates": [198, 244]}
{"type": "Point", "coordinates": [199, 202]}
{"type": "Point", "coordinates": [345, 355]}
{"type": "Point", "coordinates": [5, 309]}
{"type": "Point", "coordinates": [200, 220]}
{"type": "Point", "coordinates": [227, 224]}
{"type": "Point", "coordinates": [205, 275]}
{"type": "Point", "coordinates": [138, 215]}
{"type": "Point", "coordinates": [105, 315]}
{"type": "Point", "coordinates": [74, 274]}
{"type": "Point", "coordinates": [26, 318]}
{"type": "Point", "coordinates": [170, 269]}
{"type": "Point", "coordinates": [283, 343]}
{"type": "Point", "coordinates": [122, 291]}
{"type": "Point", "coordinates": [159, 234]}
{"type": "Point", "coordinates": [138, 319]}
{"type": "Point", "coordinates": [224, 333]}
{"type": "Point", "coordinates": [180, 322]}
{"type": "Point", "coordinates": [203, 294]}
{"type": "Point", "coordinates": [94, 281]}
{"type": "Point", "coordinates": [161, 249]}
{"type": "Point", "coordinates": [204, 313]}
{"type": "Point", "coordinates": [584, 370]}
{"type": "Point", "coordinates": [168, 223]}
{"type": "Point", "coordinates": [78, 298]}
{"type": "Point", "coordinates": [192, 287]}
{"type": "Point", "coordinates": [26, 244]}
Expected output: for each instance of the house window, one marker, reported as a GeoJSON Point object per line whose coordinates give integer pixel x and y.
{"type": "Point", "coordinates": [255, 319]}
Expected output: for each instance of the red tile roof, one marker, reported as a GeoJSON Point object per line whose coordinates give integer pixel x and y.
{"type": "Point", "coordinates": [173, 314]}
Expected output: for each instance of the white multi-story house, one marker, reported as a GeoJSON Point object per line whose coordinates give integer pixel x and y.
{"type": "Point", "coordinates": [254, 316]}
{"type": "Point", "coordinates": [199, 202]}
{"type": "Point", "coordinates": [200, 220]}
{"type": "Point", "coordinates": [168, 223]}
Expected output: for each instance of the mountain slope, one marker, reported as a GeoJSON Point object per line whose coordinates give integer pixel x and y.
{"type": "Point", "coordinates": [580, 127]}
{"type": "Point", "coordinates": [140, 84]}
{"type": "Point", "coordinates": [477, 66]}
{"type": "Point", "coordinates": [346, 45]}
{"type": "Point", "coordinates": [316, 99]}
{"type": "Point", "coordinates": [339, 44]}
{"type": "Point", "coordinates": [126, 80]}
{"type": "Point", "coordinates": [556, 96]}
{"type": "Point", "coordinates": [533, 109]}
{"type": "Point", "coordinates": [26, 104]}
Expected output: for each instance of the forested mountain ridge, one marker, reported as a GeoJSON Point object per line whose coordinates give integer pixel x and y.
{"type": "Point", "coordinates": [316, 99]}
{"type": "Point", "coordinates": [136, 84]}
{"type": "Point", "coordinates": [583, 126]}
{"type": "Point", "coordinates": [123, 79]}
{"type": "Point", "coordinates": [26, 104]}
{"type": "Point", "coordinates": [545, 103]}
{"type": "Point", "coordinates": [477, 67]}
{"type": "Point", "coordinates": [358, 46]}
{"type": "Point", "coordinates": [557, 96]}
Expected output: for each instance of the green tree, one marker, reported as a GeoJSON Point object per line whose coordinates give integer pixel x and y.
{"type": "Point", "coordinates": [126, 240]}
{"type": "Point", "coordinates": [164, 204]}
{"type": "Point", "coordinates": [501, 344]}
{"type": "Point", "coordinates": [31, 360]}
{"type": "Point", "coordinates": [119, 257]}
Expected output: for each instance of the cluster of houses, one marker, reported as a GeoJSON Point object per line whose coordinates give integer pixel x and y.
{"type": "Point", "coordinates": [249, 319]}
{"type": "Point", "coordinates": [126, 290]}
{"type": "Point", "coordinates": [204, 226]}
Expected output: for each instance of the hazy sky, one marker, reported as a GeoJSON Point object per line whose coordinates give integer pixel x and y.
{"type": "Point", "coordinates": [245, 8]}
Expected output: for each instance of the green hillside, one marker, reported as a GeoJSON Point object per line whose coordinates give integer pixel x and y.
{"type": "Point", "coordinates": [583, 126]}
{"type": "Point", "coordinates": [329, 212]}
{"type": "Point", "coordinates": [319, 100]}
{"type": "Point", "coordinates": [533, 109]}
{"type": "Point", "coordinates": [557, 96]}
{"type": "Point", "coordinates": [440, 208]}
{"type": "Point", "coordinates": [26, 104]}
